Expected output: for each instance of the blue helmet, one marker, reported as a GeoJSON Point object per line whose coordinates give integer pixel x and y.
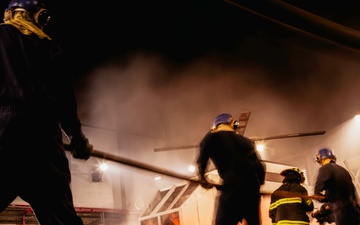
{"type": "Point", "coordinates": [225, 118]}
{"type": "Point", "coordinates": [29, 5]}
{"type": "Point", "coordinates": [325, 153]}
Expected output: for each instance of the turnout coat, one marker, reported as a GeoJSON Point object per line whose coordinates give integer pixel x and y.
{"type": "Point", "coordinates": [289, 204]}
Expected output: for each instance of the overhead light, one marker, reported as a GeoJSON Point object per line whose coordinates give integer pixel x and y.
{"type": "Point", "coordinates": [191, 168]}
{"type": "Point", "coordinates": [103, 166]}
{"type": "Point", "coordinates": [260, 147]}
{"type": "Point", "coordinates": [357, 118]}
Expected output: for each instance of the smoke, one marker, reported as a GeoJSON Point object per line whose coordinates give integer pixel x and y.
{"type": "Point", "coordinates": [148, 94]}
{"type": "Point", "coordinates": [131, 105]}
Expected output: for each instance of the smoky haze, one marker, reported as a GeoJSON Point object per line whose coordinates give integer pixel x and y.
{"type": "Point", "coordinates": [147, 100]}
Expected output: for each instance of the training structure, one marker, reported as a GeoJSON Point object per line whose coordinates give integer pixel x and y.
{"type": "Point", "coordinates": [189, 203]}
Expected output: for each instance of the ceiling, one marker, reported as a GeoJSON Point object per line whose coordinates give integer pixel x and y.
{"type": "Point", "coordinates": [184, 30]}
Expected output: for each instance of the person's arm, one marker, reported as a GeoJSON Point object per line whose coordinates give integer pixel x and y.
{"type": "Point", "coordinates": [272, 209]}
{"type": "Point", "coordinates": [66, 106]}
{"type": "Point", "coordinates": [307, 203]}
{"type": "Point", "coordinates": [258, 165]}
{"type": "Point", "coordinates": [320, 185]}
{"type": "Point", "coordinates": [202, 161]}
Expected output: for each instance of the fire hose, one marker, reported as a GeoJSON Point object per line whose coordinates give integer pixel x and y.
{"type": "Point", "coordinates": [125, 161]}
{"type": "Point", "coordinates": [147, 167]}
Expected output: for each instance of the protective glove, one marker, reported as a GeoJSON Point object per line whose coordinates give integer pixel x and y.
{"type": "Point", "coordinates": [323, 199]}
{"type": "Point", "coordinates": [219, 187]}
{"type": "Point", "coordinates": [324, 214]}
{"type": "Point", "coordinates": [205, 184]}
{"type": "Point", "coordinates": [80, 146]}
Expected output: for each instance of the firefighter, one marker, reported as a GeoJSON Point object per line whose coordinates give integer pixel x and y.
{"type": "Point", "coordinates": [334, 183]}
{"type": "Point", "coordinates": [37, 103]}
{"type": "Point", "coordinates": [240, 168]}
{"type": "Point", "coordinates": [289, 203]}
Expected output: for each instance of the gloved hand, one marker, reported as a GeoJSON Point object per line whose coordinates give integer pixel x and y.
{"type": "Point", "coordinates": [322, 198]}
{"type": "Point", "coordinates": [80, 146]}
{"type": "Point", "coordinates": [205, 184]}
{"type": "Point", "coordinates": [324, 214]}
{"type": "Point", "coordinates": [219, 187]}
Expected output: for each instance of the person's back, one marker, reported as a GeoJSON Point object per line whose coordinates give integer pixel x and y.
{"type": "Point", "coordinates": [240, 168]}
{"type": "Point", "coordinates": [289, 203]}
{"type": "Point", "coordinates": [336, 180]}
{"type": "Point", "coordinates": [232, 154]}
{"type": "Point", "coordinates": [37, 102]}
{"type": "Point", "coordinates": [339, 189]}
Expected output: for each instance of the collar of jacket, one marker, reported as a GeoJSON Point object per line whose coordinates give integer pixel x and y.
{"type": "Point", "coordinates": [223, 127]}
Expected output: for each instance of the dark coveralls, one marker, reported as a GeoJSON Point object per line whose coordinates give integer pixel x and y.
{"type": "Point", "coordinates": [243, 173]}
{"type": "Point", "coordinates": [36, 97]}
{"type": "Point", "coordinates": [340, 191]}
{"type": "Point", "coordinates": [287, 207]}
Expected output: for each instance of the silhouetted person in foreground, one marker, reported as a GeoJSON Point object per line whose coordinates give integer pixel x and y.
{"type": "Point", "coordinates": [240, 168]}
{"type": "Point", "coordinates": [37, 102]}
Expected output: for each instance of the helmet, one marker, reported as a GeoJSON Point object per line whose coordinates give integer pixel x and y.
{"type": "Point", "coordinates": [36, 7]}
{"type": "Point", "coordinates": [225, 118]}
{"type": "Point", "coordinates": [294, 174]}
{"type": "Point", "coordinates": [29, 5]}
{"type": "Point", "coordinates": [325, 153]}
